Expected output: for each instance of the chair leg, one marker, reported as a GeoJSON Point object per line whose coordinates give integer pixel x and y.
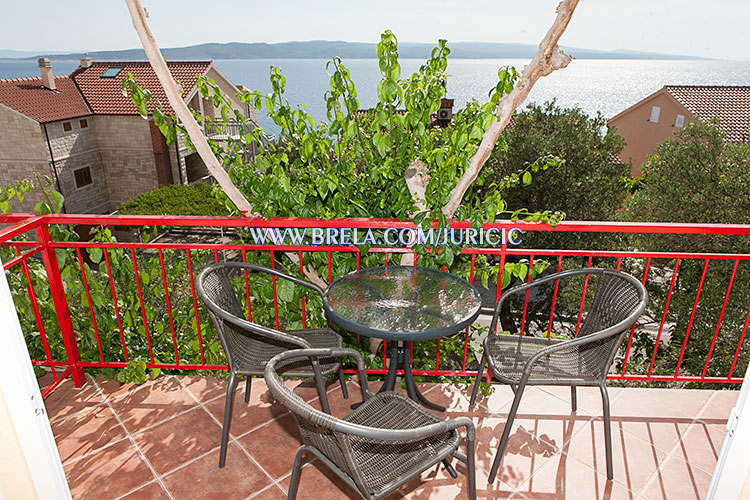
{"type": "Point", "coordinates": [342, 380]}
{"type": "Point", "coordinates": [506, 432]}
{"type": "Point", "coordinates": [247, 388]}
{"type": "Point", "coordinates": [294, 482]}
{"type": "Point", "coordinates": [607, 429]}
{"type": "Point", "coordinates": [573, 398]}
{"type": "Point", "coordinates": [228, 404]}
{"type": "Point", "coordinates": [321, 383]}
{"type": "Point", "coordinates": [470, 469]}
{"type": "Point", "coordinates": [478, 381]}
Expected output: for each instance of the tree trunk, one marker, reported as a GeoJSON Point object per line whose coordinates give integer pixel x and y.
{"type": "Point", "coordinates": [547, 59]}
{"type": "Point", "coordinates": [139, 15]}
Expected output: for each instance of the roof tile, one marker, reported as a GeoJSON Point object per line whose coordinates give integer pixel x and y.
{"type": "Point", "coordinates": [730, 104]}
{"type": "Point", "coordinates": [27, 96]}
{"type": "Point", "coordinates": [104, 95]}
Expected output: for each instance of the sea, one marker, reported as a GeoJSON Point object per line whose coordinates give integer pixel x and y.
{"type": "Point", "coordinates": [594, 85]}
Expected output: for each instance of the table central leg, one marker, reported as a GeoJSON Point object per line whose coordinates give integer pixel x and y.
{"type": "Point", "coordinates": [411, 386]}
{"type": "Point", "coordinates": [398, 357]}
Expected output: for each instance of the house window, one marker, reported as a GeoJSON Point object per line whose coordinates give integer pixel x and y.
{"type": "Point", "coordinates": [82, 176]}
{"type": "Point", "coordinates": [680, 121]}
{"type": "Point", "coordinates": [112, 72]}
{"type": "Point", "coordinates": [67, 126]}
{"type": "Point", "coordinates": [83, 123]}
{"type": "Point", "coordinates": [655, 111]}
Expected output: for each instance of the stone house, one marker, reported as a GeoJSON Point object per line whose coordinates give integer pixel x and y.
{"type": "Point", "coordinates": [81, 131]}
{"type": "Point", "coordinates": [656, 118]}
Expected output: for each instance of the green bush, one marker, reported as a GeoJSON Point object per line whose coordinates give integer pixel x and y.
{"type": "Point", "coordinates": [196, 199]}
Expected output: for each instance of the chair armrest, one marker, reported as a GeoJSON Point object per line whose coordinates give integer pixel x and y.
{"type": "Point", "coordinates": [531, 284]}
{"type": "Point", "coordinates": [275, 272]}
{"type": "Point", "coordinates": [407, 435]}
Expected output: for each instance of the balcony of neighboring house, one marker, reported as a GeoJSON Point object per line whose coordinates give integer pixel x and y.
{"type": "Point", "coordinates": [226, 134]}
{"type": "Point", "coordinates": [132, 308]}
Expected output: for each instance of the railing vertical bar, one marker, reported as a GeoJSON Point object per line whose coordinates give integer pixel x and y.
{"type": "Point", "coordinates": [247, 288]}
{"type": "Point", "coordinates": [526, 299]}
{"type": "Point", "coordinates": [739, 345]}
{"type": "Point", "coordinates": [437, 354]}
{"type": "Point", "coordinates": [38, 317]}
{"type": "Point", "coordinates": [195, 305]}
{"type": "Point", "coordinates": [632, 328]}
{"type": "Point", "coordinates": [114, 301]}
{"type": "Point", "coordinates": [91, 304]}
{"type": "Point", "coordinates": [275, 295]}
{"type": "Point", "coordinates": [330, 268]}
{"type": "Point", "coordinates": [692, 316]}
{"type": "Point", "coordinates": [57, 292]}
{"type": "Point", "coordinates": [143, 306]}
{"type": "Point", "coordinates": [664, 314]}
{"type": "Point", "coordinates": [466, 333]}
{"type": "Point", "coordinates": [386, 259]}
{"type": "Point", "coordinates": [169, 306]}
{"type": "Point", "coordinates": [216, 256]}
{"type": "Point", "coordinates": [500, 268]}
{"type": "Point", "coordinates": [721, 317]}
{"type": "Point", "coordinates": [302, 272]}
{"type": "Point", "coordinates": [619, 262]}
{"type": "Point", "coordinates": [554, 298]}
{"type": "Point", "coordinates": [583, 297]}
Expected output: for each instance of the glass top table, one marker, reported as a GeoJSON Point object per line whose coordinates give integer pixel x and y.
{"type": "Point", "coordinates": [402, 304]}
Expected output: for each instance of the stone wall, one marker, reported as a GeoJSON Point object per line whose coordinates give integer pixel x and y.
{"type": "Point", "coordinates": [23, 153]}
{"type": "Point", "coordinates": [127, 157]}
{"type": "Point", "coordinates": [74, 150]}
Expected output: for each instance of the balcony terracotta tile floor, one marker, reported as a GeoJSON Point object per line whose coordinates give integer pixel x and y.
{"type": "Point", "coordinates": [160, 440]}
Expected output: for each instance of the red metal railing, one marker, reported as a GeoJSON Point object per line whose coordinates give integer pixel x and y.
{"type": "Point", "coordinates": [57, 292]}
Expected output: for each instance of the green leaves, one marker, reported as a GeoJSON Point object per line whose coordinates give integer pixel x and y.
{"type": "Point", "coordinates": [284, 290]}
{"type": "Point", "coordinates": [139, 96]}
{"type": "Point", "coordinates": [507, 76]}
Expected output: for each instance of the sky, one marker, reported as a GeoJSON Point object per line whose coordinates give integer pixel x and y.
{"type": "Point", "coordinates": [717, 29]}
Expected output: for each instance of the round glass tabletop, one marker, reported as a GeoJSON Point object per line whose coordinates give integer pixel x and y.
{"type": "Point", "coordinates": [401, 303]}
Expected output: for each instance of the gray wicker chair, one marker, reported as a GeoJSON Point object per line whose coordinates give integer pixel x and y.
{"type": "Point", "coordinates": [619, 299]}
{"type": "Point", "coordinates": [378, 447]}
{"type": "Point", "coordinates": [248, 346]}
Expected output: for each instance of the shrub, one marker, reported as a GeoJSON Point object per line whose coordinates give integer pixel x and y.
{"type": "Point", "coordinates": [196, 199]}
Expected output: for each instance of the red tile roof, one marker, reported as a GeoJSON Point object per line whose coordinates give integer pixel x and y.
{"type": "Point", "coordinates": [27, 96]}
{"type": "Point", "coordinates": [104, 95]}
{"type": "Point", "coordinates": [730, 104]}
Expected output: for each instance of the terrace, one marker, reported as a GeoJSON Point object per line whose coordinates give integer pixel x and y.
{"type": "Point", "coordinates": [160, 439]}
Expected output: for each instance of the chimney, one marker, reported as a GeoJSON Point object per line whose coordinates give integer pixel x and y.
{"type": "Point", "coordinates": [85, 62]}
{"type": "Point", "coordinates": [48, 79]}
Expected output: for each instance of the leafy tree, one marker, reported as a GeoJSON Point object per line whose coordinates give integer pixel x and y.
{"type": "Point", "coordinates": [359, 164]}
{"type": "Point", "coordinates": [586, 185]}
{"type": "Point", "coordinates": [695, 177]}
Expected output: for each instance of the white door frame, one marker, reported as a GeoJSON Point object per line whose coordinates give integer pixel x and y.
{"type": "Point", "coordinates": [26, 406]}
{"type": "Point", "coordinates": [733, 467]}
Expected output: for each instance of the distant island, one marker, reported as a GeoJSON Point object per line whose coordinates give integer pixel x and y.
{"type": "Point", "coordinates": [321, 49]}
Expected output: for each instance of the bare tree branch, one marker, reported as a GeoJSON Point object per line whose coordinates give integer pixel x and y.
{"type": "Point", "coordinates": [139, 15]}
{"type": "Point", "coordinates": [547, 59]}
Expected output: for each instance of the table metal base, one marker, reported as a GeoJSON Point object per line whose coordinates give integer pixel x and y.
{"type": "Point", "coordinates": [398, 356]}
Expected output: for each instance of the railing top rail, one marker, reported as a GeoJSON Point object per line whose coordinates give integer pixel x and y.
{"type": "Point", "coordinates": [203, 221]}
{"type": "Point", "coordinates": [25, 225]}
